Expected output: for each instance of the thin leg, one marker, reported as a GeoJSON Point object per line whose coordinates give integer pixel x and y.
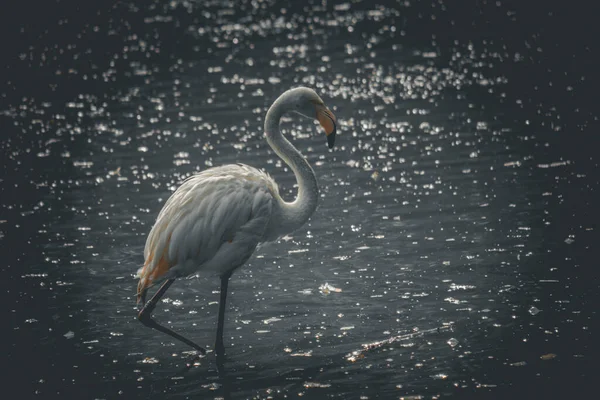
{"type": "Point", "coordinates": [145, 317]}
{"type": "Point", "coordinates": [226, 382]}
{"type": "Point", "coordinates": [219, 347]}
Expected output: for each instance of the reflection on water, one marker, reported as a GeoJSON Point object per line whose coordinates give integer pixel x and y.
{"type": "Point", "coordinates": [445, 216]}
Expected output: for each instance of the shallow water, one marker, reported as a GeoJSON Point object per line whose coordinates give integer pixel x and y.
{"type": "Point", "coordinates": [456, 214]}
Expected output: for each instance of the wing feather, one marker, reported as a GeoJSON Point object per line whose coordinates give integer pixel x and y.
{"type": "Point", "coordinates": [219, 205]}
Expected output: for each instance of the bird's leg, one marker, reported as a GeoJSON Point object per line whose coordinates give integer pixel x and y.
{"type": "Point", "coordinates": [224, 379]}
{"type": "Point", "coordinates": [142, 297]}
{"type": "Point", "coordinates": [219, 347]}
{"type": "Point", "coordinates": [145, 317]}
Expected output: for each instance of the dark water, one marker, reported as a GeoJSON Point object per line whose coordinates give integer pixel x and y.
{"type": "Point", "coordinates": [458, 211]}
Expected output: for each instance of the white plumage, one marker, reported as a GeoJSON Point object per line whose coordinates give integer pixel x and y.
{"type": "Point", "coordinates": [200, 222]}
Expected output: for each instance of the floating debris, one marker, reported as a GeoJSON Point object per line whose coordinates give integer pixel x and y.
{"type": "Point", "coordinates": [327, 288]}
{"type": "Point", "coordinates": [518, 364]}
{"type": "Point", "coordinates": [115, 172]}
{"type": "Point", "coordinates": [212, 386]}
{"type": "Point", "coordinates": [305, 354]}
{"type": "Point", "coordinates": [355, 356]}
{"type": "Point", "coordinates": [358, 354]}
{"type": "Point", "coordinates": [534, 310]}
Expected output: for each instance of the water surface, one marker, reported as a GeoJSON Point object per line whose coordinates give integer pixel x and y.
{"type": "Point", "coordinates": [456, 215]}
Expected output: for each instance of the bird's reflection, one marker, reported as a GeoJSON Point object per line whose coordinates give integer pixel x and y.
{"type": "Point", "coordinates": [224, 381]}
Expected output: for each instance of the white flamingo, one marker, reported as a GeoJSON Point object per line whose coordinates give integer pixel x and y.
{"type": "Point", "coordinates": [214, 221]}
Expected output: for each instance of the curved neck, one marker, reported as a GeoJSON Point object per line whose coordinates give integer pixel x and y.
{"type": "Point", "coordinates": [296, 213]}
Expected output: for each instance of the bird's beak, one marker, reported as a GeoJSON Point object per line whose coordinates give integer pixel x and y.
{"type": "Point", "coordinates": [328, 122]}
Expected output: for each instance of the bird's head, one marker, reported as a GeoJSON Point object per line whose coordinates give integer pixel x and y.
{"type": "Point", "coordinates": [307, 103]}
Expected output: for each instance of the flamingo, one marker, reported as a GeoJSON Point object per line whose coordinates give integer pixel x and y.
{"type": "Point", "coordinates": [215, 220]}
